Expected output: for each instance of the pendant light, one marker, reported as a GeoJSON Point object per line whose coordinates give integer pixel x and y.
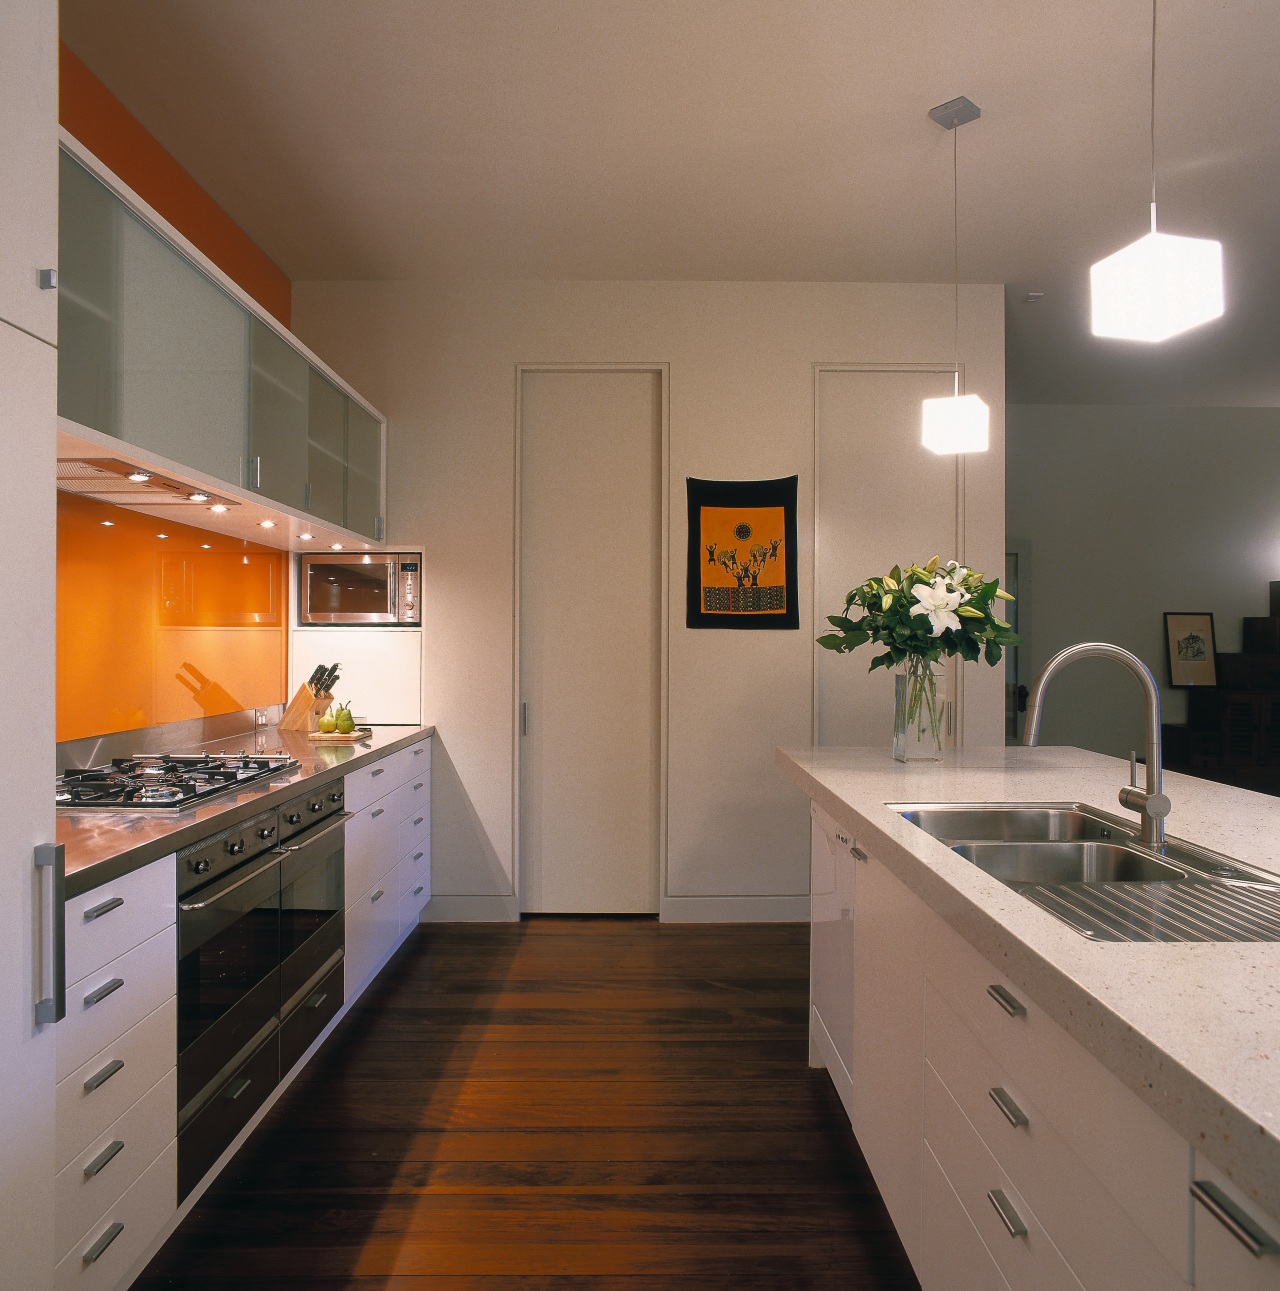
{"type": "Point", "coordinates": [960, 423]}
{"type": "Point", "coordinates": [1160, 285]}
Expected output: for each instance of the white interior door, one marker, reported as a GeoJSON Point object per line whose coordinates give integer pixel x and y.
{"type": "Point", "coordinates": [883, 500]}
{"type": "Point", "coordinates": [590, 619]}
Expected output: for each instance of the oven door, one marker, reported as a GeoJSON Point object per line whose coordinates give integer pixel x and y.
{"type": "Point", "coordinates": [228, 974]}
{"type": "Point", "coordinates": [311, 908]}
{"type": "Point", "coordinates": [347, 588]}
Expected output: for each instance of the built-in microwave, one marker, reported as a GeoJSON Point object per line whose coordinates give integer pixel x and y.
{"type": "Point", "coordinates": [360, 588]}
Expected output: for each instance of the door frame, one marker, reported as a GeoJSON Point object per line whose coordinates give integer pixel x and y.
{"type": "Point", "coordinates": [956, 674]}
{"type": "Point", "coordinates": [663, 371]}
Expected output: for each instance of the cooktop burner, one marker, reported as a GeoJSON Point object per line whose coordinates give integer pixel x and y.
{"type": "Point", "coordinates": [165, 781]}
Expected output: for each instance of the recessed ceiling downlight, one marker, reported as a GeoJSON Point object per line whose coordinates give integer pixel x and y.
{"type": "Point", "coordinates": [335, 546]}
{"type": "Point", "coordinates": [217, 508]}
{"type": "Point", "coordinates": [197, 497]}
{"type": "Point", "coordinates": [140, 477]}
{"type": "Point", "coordinates": [266, 524]}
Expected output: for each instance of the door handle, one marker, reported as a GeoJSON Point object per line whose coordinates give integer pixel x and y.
{"type": "Point", "coordinates": [51, 861]}
{"type": "Point", "coordinates": [524, 719]}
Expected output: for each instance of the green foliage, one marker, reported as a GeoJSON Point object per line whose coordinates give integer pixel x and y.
{"type": "Point", "coordinates": [880, 611]}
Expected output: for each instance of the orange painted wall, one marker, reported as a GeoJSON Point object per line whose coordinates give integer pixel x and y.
{"type": "Point", "coordinates": [162, 629]}
{"type": "Point", "coordinates": [89, 111]}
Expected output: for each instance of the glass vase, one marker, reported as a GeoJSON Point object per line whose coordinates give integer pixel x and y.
{"type": "Point", "coordinates": [917, 725]}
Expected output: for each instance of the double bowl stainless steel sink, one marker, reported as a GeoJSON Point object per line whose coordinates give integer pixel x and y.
{"type": "Point", "coordinates": [1089, 870]}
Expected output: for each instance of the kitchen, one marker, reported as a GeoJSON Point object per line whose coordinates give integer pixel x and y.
{"type": "Point", "coordinates": [732, 840]}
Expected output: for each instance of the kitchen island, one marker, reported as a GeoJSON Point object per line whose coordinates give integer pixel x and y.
{"type": "Point", "coordinates": [1191, 1031]}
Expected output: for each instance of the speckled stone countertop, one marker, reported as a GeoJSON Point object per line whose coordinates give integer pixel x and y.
{"type": "Point", "coordinates": [1193, 1030]}
{"type": "Point", "coordinates": [103, 845]}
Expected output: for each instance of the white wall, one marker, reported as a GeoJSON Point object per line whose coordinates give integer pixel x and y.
{"type": "Point", "coordinates": [439, 359]}
{"type": "Point", "coordinates": [1122, 514]}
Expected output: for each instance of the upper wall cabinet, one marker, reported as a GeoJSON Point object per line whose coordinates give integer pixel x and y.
{"type": "Point", "coordinates": [156, 352]}
{"type": "Point", "coordinates": [28, 195]}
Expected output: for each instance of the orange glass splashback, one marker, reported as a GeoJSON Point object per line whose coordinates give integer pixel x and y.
{"type": "Point", "coordinates": [159, 622]}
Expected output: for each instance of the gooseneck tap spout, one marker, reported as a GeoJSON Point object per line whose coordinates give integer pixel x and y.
{"type": "Point", "coordinates": [1150, 804]}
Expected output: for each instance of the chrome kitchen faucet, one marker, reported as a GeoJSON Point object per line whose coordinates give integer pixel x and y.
{"type": "Point", "coordinates": [1150, 803]}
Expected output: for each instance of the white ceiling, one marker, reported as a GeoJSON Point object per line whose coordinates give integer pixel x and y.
{"type": "Point", "coordinates": [738, 139]}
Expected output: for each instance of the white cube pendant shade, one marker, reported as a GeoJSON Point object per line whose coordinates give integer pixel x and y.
{"type": "Point", "coordinates": [957, 424]}
{"type": "Point", "coordinates": [1156, 287]}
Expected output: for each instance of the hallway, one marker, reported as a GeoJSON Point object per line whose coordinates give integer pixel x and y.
{"type": "Point", "coordinates": [560, 1103]}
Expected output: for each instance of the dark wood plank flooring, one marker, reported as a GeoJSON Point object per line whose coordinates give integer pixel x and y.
{"type": "Point", "coordinates": [560, 1103]}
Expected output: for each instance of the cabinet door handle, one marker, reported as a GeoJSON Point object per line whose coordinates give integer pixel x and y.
{"type": "Point", "coordinates": [417, 822]}
{"type": "Point", "coordinates": [237, 1088]}
{"type": "Point", "coordinates": [1244, 1228]}
{"type": "Point", "coordinates": [1010, 1003]}
{"type": "Point", "coordinates": [419, 785]}
{"type": "Point", "coordinates": [257, 472]}
{"type": "Point", "coordinates": [51, 1006]}
{"type": "Point", "coordinates": [857, 853]}
{"type": "Point", "coordinates": [97, 911]}
{"type": "Point", "coordinates": [417, 753]}
{"type": "Point", "coordinates": [373, 815]}
{"type": "Point", "coordinates": [417, 856]}
{"type": "Point", "coordinates": [418, 890]}
{"type": "Point", "coordinates": [1008, 1108]}
{"type": "Point", "coordinates": [316, 1000]}
{"type": "Point", "coordinates": [100, 1078]}
{"type": "Point", "coordinates": [377, 896]}
{"type": "Point", "coordinates": [91, 1255]}
{"type": "Point", "coordinates": [376, 772]}
{"type": "Point", "coordinates": [1008, 1216]}
{"type": "Point", "coordinates": [107, 988]}
{"type": "Point", "coordinates": [104, 1158]}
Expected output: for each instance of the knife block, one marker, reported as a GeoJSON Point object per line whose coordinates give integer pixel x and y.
{"type": "Point", "coordinates": [304, 711]}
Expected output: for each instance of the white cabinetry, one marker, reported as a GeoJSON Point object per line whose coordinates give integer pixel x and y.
{"type": "Point", "coordinates": [831, 931]}
{"type": "Point", "coordinates": [116, 1185]}
{"type": "Point", "coordinates": [388, 857]}
{"type": "Point", "coordinates": [1237, 1244]}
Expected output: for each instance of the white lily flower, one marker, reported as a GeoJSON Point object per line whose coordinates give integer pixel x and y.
{"type": "Point", "coordinates": [939, 603]}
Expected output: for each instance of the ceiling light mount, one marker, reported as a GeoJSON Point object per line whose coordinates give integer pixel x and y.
{"type": "Point", "coordinates": [956, 112]}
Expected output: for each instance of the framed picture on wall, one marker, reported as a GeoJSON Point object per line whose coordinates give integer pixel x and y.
{"type": "Point", "coordinates": [1191, 650]}
{"type": "Point", "coordinates": [742, 554]}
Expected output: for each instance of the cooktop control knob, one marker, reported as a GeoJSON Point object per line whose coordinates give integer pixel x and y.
{"type": "Point", "coordinates": [201, 866]}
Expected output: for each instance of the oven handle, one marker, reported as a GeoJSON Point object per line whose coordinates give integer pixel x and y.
{"type": "Point", "coordinates": [335, 822]}
{"type": "Point", "coordinates": [186, 907]}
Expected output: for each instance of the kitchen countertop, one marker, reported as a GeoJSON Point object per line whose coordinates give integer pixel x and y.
{"type": "Point", "coordinates": [1193, 1030]}
{"type": "Point", "coordinates": [103, 845]}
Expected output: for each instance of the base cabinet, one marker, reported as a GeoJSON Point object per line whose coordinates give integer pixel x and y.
{"type": "Point", "coordinates": [1237, 1244]}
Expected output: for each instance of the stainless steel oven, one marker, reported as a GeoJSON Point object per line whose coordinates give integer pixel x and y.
{"type": "Point", "coordinates": [260, 972]}
{"type": "Point", "coordinates": [356, 589]}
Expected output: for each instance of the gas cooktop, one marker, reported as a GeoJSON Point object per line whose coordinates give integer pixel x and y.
{"type": "Point", "coordinates": [165, 781]}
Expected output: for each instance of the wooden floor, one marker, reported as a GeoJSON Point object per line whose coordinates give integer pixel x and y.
{"type": "Point", "coordinates": [560, 1103]}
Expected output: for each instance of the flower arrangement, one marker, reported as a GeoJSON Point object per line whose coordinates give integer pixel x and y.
{"type": "Point", "coordinates": [920, 616]}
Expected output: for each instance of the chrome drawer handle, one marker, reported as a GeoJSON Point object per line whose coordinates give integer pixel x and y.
{"type": "Point", "coordinates": [96, 912]}
{"type": "Point", "coordinates": [1008, 1216]}
{"type": "Point", "coordinates": [417, 753]}
{"type": "Point", "coordinates": [377, 896]}
{"type": "Point", "coordinates": [418, 890]}
{"type": "Point", "coordinates": [99, 1079]}
{"type": "Point", "coordinates": [417, 822]}
{"type": "Point", "coordinates": [1256, 1240]}
{"type": "Point", "coordinates": [91, 1255]}
{"type": "Point", "coordinates": [234, 1091]}
{"type": "Point", "coordinates": [1008, 1108]}
{"type": "Point", "coordinates": [1011, 1004]}
{"type": "Point", "coordinates": [104, 1158]}
{"type": "Point", "coordinates": [107, 988]}
{"type": "Point", "coordinates": [376, 771]}
{"type": "Point", "coordinates": [857, 853]}
{"type": "Point", "coordinates": [419, 785]}
{"type": "Point", "coordinates": [417, 856]}
{"type": "Point", "coordinates": [316, 1000]}
{"type": "Point", "coordinates": [373, 815]}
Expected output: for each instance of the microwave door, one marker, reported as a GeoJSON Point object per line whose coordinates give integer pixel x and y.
{"type": "Point", "coordinates": [352, 589]}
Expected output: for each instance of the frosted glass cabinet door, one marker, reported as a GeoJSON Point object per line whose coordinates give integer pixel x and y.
{"type": "Point", "coordinates": [326, 449]}
{"type": "Point", "coordinates": [182, 358]}
{"type": "Point", "coordinates": [364, 471]}
{"type": "Point", "coordinates": [278, 389]}
{"type": "Point", "coordinates": [88, 299]}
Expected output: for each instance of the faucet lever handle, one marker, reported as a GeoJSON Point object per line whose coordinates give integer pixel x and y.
{"type": "Point", "coordinates": [1133, 768]}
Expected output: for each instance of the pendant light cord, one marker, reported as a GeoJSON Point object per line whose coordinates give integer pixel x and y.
{"type": "Point", "coordinates": [955, 242]}
{"type": "Point", "coordinates": [1153, 116]}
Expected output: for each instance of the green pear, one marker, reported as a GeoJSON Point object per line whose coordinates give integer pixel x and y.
{"type": "Point", "coordinates": [328, 723]}
{"type": "Point", "coordinates": [345, 722]}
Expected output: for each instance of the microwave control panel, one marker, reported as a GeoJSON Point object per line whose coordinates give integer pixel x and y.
{"type": "Point", "coordinates": [408, 588]}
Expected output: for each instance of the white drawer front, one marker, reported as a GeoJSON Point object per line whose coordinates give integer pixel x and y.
{"type": "Point", "coordinates": [415, 891]}
{"type": "Point", "coordinates": [413, 798]}
{"type": "Point", "coordinates": [115, 917]}
{"type": "Point", "coordinates": [370, 848]}
{"type": "Point", "coordinates": [415, 870]}
{"type": "Point", "coordinates": [1135, 1155]}
{"type": "Point", "coordinates": [373, 927]}
{"type": "Point", "coordinates": [143, 1211]}
{"type": "Point", "coordinates": [1093, 1232]}
{"type": "Point", "coordinates": [96, 1179]}
{"type": "Point", "coordinates": [953, 1257]}
{"type": "Point", "coordinates": [415, 830]}
{"type": "Point", "coordinates": [1028, 1260]}
{"type": "Point", "coordinates": [369, 783]}
{"type": "Point", "coordinates": [100, 1012]}
{"type": "Point", "coordinates": [1223, 1262]}
{"type": "Point", "coordinates": [145, 1052]}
